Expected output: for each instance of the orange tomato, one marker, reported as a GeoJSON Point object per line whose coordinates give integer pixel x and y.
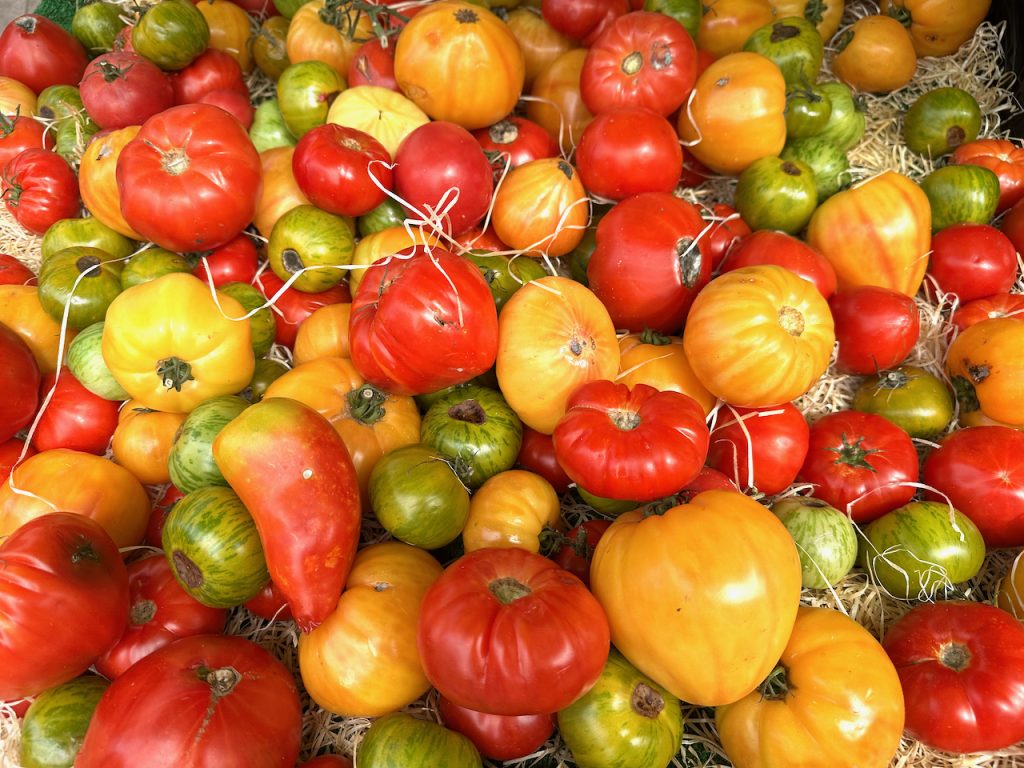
{"type": "Point", "coordinates": [16, 97]}
{"type": "Point", "coordinates": [660, 362]}
{"type": "Point", "coordinates": [21, 311]}
{"type": "Point", "coordinates": [718, 577]}
{"type": "Point", "coordinates": [450, 43]}
{"type": "Point", "coordinates": [142, 441]}
{"type": "Point", "coordinates": [987, 369]}
{"type": "Point", "coordinates": [938, 27]}
{"type": "Point", "coordinates": [362, 661]}
{"type": "Point", "coordinates": [281, 191]}
{"type": "Point", "coordinates": [759, 336]}
{"type": "Point", "coordinates": [736, 114]}
{"type": "Point", "coordinates": [323, 334]}
{"type": "Point", "coordinates": [229, 30]}
{"type": "Point", "coordinates": [97, 180]}
{"type": "Point", "coordinates": [330, 34]}
{"type": "Point", "coordinates": [540, 43]}
{"type": "Point", "coordinates": [386, 115]}
{"type": "Point", "coordinates": [542, 208]}
{"type": "Point", "coordinates": [557, 105]}
{"type": "Point", "coordinates": [824, 14]}
{"type": "Point", "coordinates": [1010, 595]}
{"type": "Point", "coordinates": [382, 244]}
{"type": "Point", "coordinates": [269, 47]}
{"type": "Point", "coordinates": [81, 483]}
{"type": "Point", "coordinates": [876, 233]}
{"type": "Point", "coordinates": [726, 24]}
{"type": "Point", "coordinates": [553, 335]}
{"type": "Point", "coordinates": [511, 509]}
{"type": "Point", "coordinates": [875, 55]}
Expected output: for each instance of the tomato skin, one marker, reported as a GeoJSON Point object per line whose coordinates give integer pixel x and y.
{"type": "Point", "coordinates": [961, 666]}
{"type": "Point", "coordinates": [211, 200]}
{"type": "Point", "coordinates": [498, 737]}
{"type": "Point", "coordinates": [576, 554]}
{"type": "Point", "coordinates": [291, 307]}
{"type": "Point", "coordinates": [649, 444]}
{"type": "Point", "coordinates": [220, 700]}
{"type": "Point", "coordinates": [643, 60]}
{"type": "Point", "coordinates": [1002, 157]}
{"type": "Point", "coordinates": [856, 461]}
{"type": "Point", "coordinates": [13, 272]}
{"type": "Point", "coordinates": [234, 262]}
{"type": "Point", "coordinates": [74, 418]}
{"type": "Point", "coordinates": [778, 441]}
{"type": "Point", "coordinates": [212, 70]}
{"type": "Point", "coordinates": [876, 328]}
{"type": "Point", "coordinates": [20, 378]}
{"type": "Point", "coordinates": [270, 604]}
{"type": "Point", "coordinates": [729, 227]}
{"type": "Point", "coordinates": [333, 166]}
{"type": "Point", "coordinates": [39, 189]}
{"type": "Point", "coordinates": [373, 64]}
{"type": "Point", "coordinates": [557, 632]}
{"type": "Point", "coordinates": [768, 247]}
{"type": "Point", "coordinates": [537, 454]}
{"type": "Point", "coordinates": [74, 571]}
{"type": "Point", "coordinates": [10, 456]}
{"type": "Point", "coordinates": [161, 509]}
{"type": "Point", "coordinates": [516, 140]}
{"type": "Point", "coordinates": [19, 133]}
{"type": "Point", "coordinates": [37, 52]}
{"type": "Point", "coordinates": [120, 89]}
{"type": "Point", "coordinates": [583, 21]}
{"type": "Point", "coordinates": [160, 613]}
{"type": "Point", "coordinates": [877, 56]}
{"type": "Point", "coordinates": [988, 308]}
{"type": "Point", "coordinates": [973, 261]}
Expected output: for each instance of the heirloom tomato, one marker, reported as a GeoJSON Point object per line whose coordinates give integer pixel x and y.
{"type": "Point", "coordinates": [512, 509]}
{"type": "Point", "coordinates": [940, 120]}
{"type": "Point", "coordinates": [335, 167]}
{"type": "Point", "coordinates": [987, 370]}
{"type": "Point", "coordinates": [542, 208]}
{"type": "Point", "coordinates": [796, 48]}
{"type": "Point", "coordinates": [961, 194]}
{"type": "Point", "coordinates": [498, 737]}
{"type": "Point", "coordinates": [269, 50]}
{"type": "Point", "coordinates": [910, 397]}
{"type": "Point", "coordinates": [21, 132]}
{"type": "Point", "coordinates": [876, 54]}
{"type": "Point", "coordinates": [310, 248]}
{"type": "Point", "coordinates": [270, 604]}
{"type": "Point", "coordinates": [727, 24]}
{"type": "Point", "coordinates": [515, 141]}
{"type": "Point", "coordinates": [826, 15]}
{"type": "Point", "coordinates": [19, 375]}
{"type": "Point", "coordinates": [1002, 157]}
{"type": "Point", "coordinates": [39, 53]}
{"type": "Point", "coordinates": [53, 729]}
{"type": "Point", "coordinates": [761, 449]}
{"type": "Point", "coordinates": [583, 21]}
{"type": "Point", "coordinates": [97, 179]}
{"type": "Point", "coordinates": [281, 192]}
{"type": "Point", "coordinates": [386, 115]}
{"type": "Point", "coordinates": [212, 71]}
{"type": "Point", "coordinates": [234, 262]}
{"type": "Point", "coordinates": [22, 313]}
{"type": "Point", "coordinates": [74, 418]}
{"type": "Point", "coordinates": [142, 442]}
{"type": "Point", "coordinates": [876, 328]}
{"type": "Point", "coordinates": [158, 517]}
{"type": "Point", "coordinates": [577, 547]}
{"type": "Point", "coordinates": [79, 283]}
{"type": "Point", "coordinates": [13, 272]}
{"type": "Point", "coordinates": [11, 456]}
{"type": "Point", "coordinates": [391, 739]}
{"type": "Point", "coordinates": [323, 334]}
{"type": "Point", "coordinates": [728, 227]}
{"type": "Point", "coordinates": [539, 41]}
{"type": "Point", "coordinates": [537, 454]}
{"type": "Point", "coordinates": [824, 536]}
{"type": "Point", "coordinates": [39, 189]}
{"type": "Point", "coordinates": [373, 63]}
{"type": "Point", "coordinates": [190, 463]}
{"type": "Point", "coordinates": [972, 261]}
{"type": "Point", "coordinates": [557, 105]}
{"type": "Point", "coordinates": [938, 27]}
{"type": "Point", "coordinates": [229, 30]}
{"type": "Point", "coordinates": [292, 307]}
{"type": "Point", "coordinates": [328, 33]}
{"type": "Point", "coordinates": [659, 361]}
{"type": "Point", "coordinates": [171, 34]}
{"type": "Point", "coordinates": [121, 89]}
{"type": "Point", "coordinates": [768, 247]}
{"type": "Point", "coordinates": [16, 97]}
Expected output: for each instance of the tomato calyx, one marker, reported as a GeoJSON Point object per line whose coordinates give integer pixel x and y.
{"type": "Point", "coordinates": [187, 570]}
{"type": "Point", "coordinates": [646, 701]}
{"type": "Point", "coordinates": [221, 681]}
{"type": "Point", "coordinates": [623, 419]}
{"type": "Point", "coordinates": [142, 612]}
{"type": "Point", "coordinates": [652, 337]}
{"type": "Point", "coordinates": [893, 380]}
{"type": "Point", "coordinates": [854, 455]}
{"type": "Point", "coordinates": [902, 15]}
{"type": "Point", "coordinates": [955, 656]}
{"type": "Point", "coordinates": [12, 195]}
{"type": "Point", "coordinates": [174, 372]}
{"type": "Point", "coordinates": [777, 685]}
{"type": "Point", "coordinates": [842, 41]}
{"type": "Point", "coordinates": [466, 16]}
{"type": "Point", "coordinates": [690, 260]}
{"type": "Point", "coordinates": [781, 31]}
{"type": "Point", "coordinates": [815, 11]}
{"type": "Point", "coordinates": [85, 551]}
{"type": "Point", "coordinates": [508, 589]}
{"type": "Point", "coordinates": [112, 72]}
{"type": "Point", "coordinates": [174, 161]}
{"type": "Point", "coordinates": [366, 404]}
{"type": "Point", "coordinates": [7, 122]}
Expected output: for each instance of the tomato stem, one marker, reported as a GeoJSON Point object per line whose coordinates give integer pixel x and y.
{"type": "Point", "coordinates": [855, 454]}
{"type": "Point", "coordinates": [174, 372]}
{"type": "Point", "coordinates": [508, 589]}
{"type": "Point", "coordinates": [221, 681]}
{"type": "Point", "coordinates": [652, 337]}
{"type": "Point", "coordinates": [902, 15]}
{"type": "Point", "coordinates": [791, 320]}
{"type": "Point", "coordinates": [503, 132]}
{"type": "Point", "coordinates": [776, 685]}
{"type": "Point", "coordinates": [366, 404]}
{"type": "Point", "coordinates": [893, 379]}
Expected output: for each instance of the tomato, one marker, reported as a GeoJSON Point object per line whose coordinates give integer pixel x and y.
{"type": "Point", "coordinates": [11, 455]}
{"type": "Point", "coordinates": [808, 109]}
{"type": "Point", "coordinates": [541, 208]}
{"type": "Point", "coordinates": [212, 70]}
{"type": "Point", "coordinates": [362, 661]}
{"type": "Point", "coordinates": [860, 463]}
{"type": "Point", "coordinates": [997, 305]}
{"type": "Point", "coordinates": [627, 151]}
{"type": "Point", "coordinates": [234, 262]}
{"type": "Point", "coordinates": [89, 232]}
{"type": "Point", "coordinates": [719, 576]}
{"type": "Point", "coordinates": [985, 369]}
{"type": "Point", "coordinates": [310, 248]}
{"type": "Point", "coordinates": [728, 227]}
{"type": "Point", "coordinates": [727, 24]}
{"type": "Point", "coordinates": [79, 284]}
{"type": "Point", "coordinates": [269, 49]}
{"type": "Point", "coordinates": [216, 698]}
{"type": "Point", "coordinates": [961, 666]}
{"type": "Point", "coordinates": [910, 397]}
{"type": "Point", "coordinates": [940, 120]}
{"type": "Point", "coordinates": [660, 361]}
{"type": "Point", "coordinates": [37, 52]}
{"type": "Point", "coordinates": [831, 670]}
{"type": "Point", "coordinates": [328, 33]}
{"type": "Point", "coordinates": [826, 15]}
{"type": "Point", "coordinates": [514, 508]}
{"type": "Point", "coordinates": [537, 454]}
{"type": "Point", "coordinates": [824, 536]}
{"type": "Point", "coordinates": [335, 168]}
{"type": "Point", "coordinates": [876, 328]}
{"type": "Point", "coordinates": [736, 114]}
{"type": "Point", "coordinates": [649, 265]}
{"type": "Point", "coordinates": [292, 307]}
{"type": "Point", "coordinates": [16, 97]}
{"type": "Point", "coordinates": [323, 334]}
{"type": "Point", "coordinates": [625, 716]}
{"type": "Point", "coordinates": [160, 612]}
{"type": "Point", "coordinates": [373, 63]}
{"type": "Point", "coordinates": [39, 188]}
{"type": "Point", "coordinates": [498, 737]}
{"type": "Point", "coordinates": [540, 43]}
{"type": "Point", "coordinates": [768, 247]}
{"type": "Point", "coordinates": [229, 30]}
{"type": "Point", "coordinates": [74, 418]}
{"type": "Point", "coordinates": [270, 604]}
{"type": "Point", "coordinates": [121, 89]}
{"type": "Point", "coordinates": [384, 114]}
{"type": "Point", "coordinates": [876, 54]}
{"type": "Point", "coordinates": [938, 27]}
{"type": "Point", "coordinates": [583, 21]}
{"type": "Point", "coordinates": [171, 34]}
{"type": "Point", "coordinates": [515, 141]}
{"type": "Point", "coordinates": [98, 179]}
{"type": "Point", "coordinates": [22, 313]}
{"type": "Point", "coordinates": [315, 480]}
{"type": "Point", "coordinates": [961, 194]}
{"type": "Point", "coordinates": [777, 193]}
{"type": "Point", "coordinates": [794, 45]}
{"type": "Point", "coordinates": [504, 275]}
{"type": "Point", "coordinates": [435, 297]}
{"type": "Point", "coordinates": [1002, 157]}
{"type": "Point", "coordinates": [280, 193]}
{"type": "Point", "coordinates": [743, 314]}
{"type": "Point", "coordinates": [13, 272]}
{"type": "Point", "coordinates": [53, 729]}
{"type": "Point", "coordinates": [391, 739]}
{"type": "Point", "coordinates": [760, 449]}
{"type": "Point", "coordinates": [142, 442]}
{"type": "Point", "coordinates": [529, 609]}
{"type": "Point", "coordinates": [20, 377]}
{"type": "Point", "coordinates": [641, 60]}
{"type": "Point", "coordinates": [559, 107]}
{"type": "Point", "coordinates": [829, 164]}
{"type": "Point", "coordinates": [19, 133]}
{"type": "Point", "coordinates": [972, 261]}
{"type": "Point", "coordinates": [161, 509]}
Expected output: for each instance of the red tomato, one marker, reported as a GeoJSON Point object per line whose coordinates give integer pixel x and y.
{"type": "Point", "coordinates": [628, 151]}
{"type": "Point", "coordinates": [1012, 226]}
{"type": "Point", "coordinates": [202, 701]}
{"type": "Point", "coordinates": [979, 470]}
{"type": "Point", "coordinates": [212, 70]}
{"type": "Point", "coordinates": [582, 20]}
{"type": "Point", "coordinates": [973, 261]}
{"type": "Point", "coordinates": [234, 262]}
{"type": "Point", "coordinates": [161, 509]}
{"type": "Point", "coordinates": [120, 89]}
{"type": "Point", "coordinates": [876, 328]}
{"type": "Point", "coordinates": [13, 272]}
{"type": "Point", "coordinates": [498, 737]}
{"type": "Point", "coordinates": [22, 132]}
{"type": "Point", "coordinates": [434, 297]}
{"type": "Point", "coordinates": [649, 264]}
{"type": "Point", "coordinates": [438, 161]}
{"type": "Point", "coordinates": [537, 454]}
{"type": "Point", "coordinates": [515, 141]}
{"type": "Point", "coordinates": [373, 64]}
{"type": "Point", "coordinates": [234, 103]}
{"type": "Point", "coordinates": [63, 601]}
{"type": "Point", "coordinates": [771, 441]}
{"type": "Point", "coordinates": [40, 53]}
{"type": "Point", "coordinates": [645, 60]}
{"type": "Point", "coordinates": [74, 418]}
{"type": "Point", "coordinates": [961, 666]}
{"type": "Point", "coordinates": [291, 307]}
{"type": "Point", "coordinates": [19, 382]}
{"type": "Point", "coordinates": [1002, 157]}
{"type": "Point", "coordinates": [860, 463]}
{"type": "Point", "coordinates": [493, 606]}
{"type": "Point", "coordinates": [997, 305]}
{"type": "Point", "coordinates": [639, 444]}
{"type": "Point", "coordinates": [768, 247]}
{"type": "Point", "coordinates": [576, 552]}
{"type": "Point", "coordinates": [160, 612]}
{"type": "Point", "coordinates": [709, 479]}
{"type": "Point", "coordinates": [10, 454]}
{"type": "Point", "coordinates": [333, 166]}
{"type": "Point", "coordinates": [191, 179]}
{"type": "Point", "coordinates": [729, 227]}
{"type": "Point", "coordinates": [480, 240]}
{"type": "Point", "coordinates": [39, 189]}
{"type": "Point", "coordinates": [270, 604]}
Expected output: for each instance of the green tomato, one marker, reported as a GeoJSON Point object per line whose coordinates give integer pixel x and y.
{"type": "Point", "coordinates": [96, 26]}
{"type": "Point", "coordinates": [171, 34]}
{"type": "Point", "coordinates": [85, 280]}
{"type": "Point", "coordinates": [398, 740]}
{"type": "Point", "coordinates": [190, 463]}
{"type": "Point", "coordinates": [505, 276]}
{"type": "Point", "coordinates": [830, 165]}
{"type": "Point", "coordinates": [386, 215]}
{"type": "Point", "coordinates": [265, 374]}
{"type": "Point", "coordinates": [773, 193]}
{"type": "Point", "coordinates": [940, 121]}
{"type": "Point", "coordinates": [307, 238]}
{"type": "Point", "coordinates": [808, 109]}
{"type": "Point", "coordinates": [961, 194]}
{"type": "Point", "coordinates": [86, 363]}
{"type": "Point", "coordinates": [686, 12]}
{"type": "Point", "coordinates": [909, 397]}
{"type": "Point", "coordinates": [304, 95]}
{"type": "Point", "coordinates": [60, 102]}
{"type": "Point", "coordinates": [825, 539]}
{"type": "Point", "coordinates": [626, 720]}
{"type": "Point", "coordinates": [55, 724]}
{"type": "Point", "coordinates": [795, 46]}
{"type": "Point", "coordinates": [89, 232]}
{"type": "Point", "coordinates": [608, 507]}
{"type": "Point", "coordinates": [73, 136]}
{"type": "Point", "coordinates": [153, 263]}
{"type": "Point", "coordinates": [262, 325]}
{"type": "Point", "coordinates": [847, 122]}
{"type": "Point", "coordinates": [268, 128]}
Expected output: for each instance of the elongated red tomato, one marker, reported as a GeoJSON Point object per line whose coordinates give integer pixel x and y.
{"type": "Point", "coordinates": [638, 444]}
{"type": "Point", "coordinates": [190, 179]}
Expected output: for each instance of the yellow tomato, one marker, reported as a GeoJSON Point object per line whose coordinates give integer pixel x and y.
{"type": "Point", "coordinates": [21, 311]}
{"type": "Point", "coordinates": [875, 55]}
{"type": "Point", "coordinates": [142, 441]}
{"type": "Point", "coordinates": [382, 244]}
{"type": "Point", "coordinates": [280, 192]}
{"type": "Point", "coordinates": [384, 114]}
{"type": "Point", "coordinates": [511, 509]}
{"type": "Point", "coordinates": [323, 334]}
{"type": "Point", "coordinates": [542, 208]}
{"type": "Point", "coordinates": [97, 182]}
{"type": "Point", "coordinates": [660, 362]}
{"type": "Point", "coordinates": [229, 30]}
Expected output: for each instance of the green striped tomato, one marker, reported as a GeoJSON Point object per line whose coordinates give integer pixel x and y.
{"type": "Point", "coordinates": [825, 539]}
{"type": "Point", "coordinates": [171, 34]}
{"type": "Point", "coordinates": [55, 724]}
{"type": "Point", "coordinates": [262, 325]}
{"type": "Point", "coordinates": [399, 740]}
{"type": "Point", "coordinates": [191, 462]}
{"type": "Point", "coordinates": [85, 360]}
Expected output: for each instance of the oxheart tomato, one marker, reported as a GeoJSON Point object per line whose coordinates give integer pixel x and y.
{"type": "Point", "coordinates": [39, 53]}
{"type": "Point", "coordinates": [292, 307]}
{"type": "Point", "coordinates": [39, 189]}
{"type": "Point", "coordinates": [421, 321]}
{"type": "Point", "coordinates": [973, 261]}
{"type": "Point", "coordinates": [961, 666]}
{"type": "Point", "coordinates": [160, 612]}
{"type": "Point", "coordinates": [760, 448]}
{"type": "Point", "coordinates": [335, 167]}
{"type": "Point", "coordinates": [120, 89]}
{"type": "Point", "coordinates": [860, 463]}
{"type": "Point", "coordinates": [770, 247]}
{"type": "Point", "coordinates": [498, 737]}
{"type": "Point", "coordinates": [202, 701]}
{"type": "Point", "coordinates": [63, 601]}
{"type": "Point", "coordinates": [876, 328]}
{"type": "Point", "coordinates": [190, 179]}
{"type": "Point", "coordinates": [19, 379]}
{"type": "Point", "coordinates": [646, 60]}
{"type": "Point", "coordinates": [508, 632]}
{"type": "Point", "coordinates": [74, 417]}
{"type": "Point", "coordinates": [979, 471]}
{"type": "Point", "coordinates": [233, 102]}
{"type": "Point", "coordinates": [1002, 157]}
{"type": "Point", "coordinates": [631, 443]}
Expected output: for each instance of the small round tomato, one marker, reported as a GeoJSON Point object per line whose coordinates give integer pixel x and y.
{"type": "Point", "coordinates": [234, 262]}
{"type": "Point", "coordinates": [972, 261]}
{"type": "Point", "coordinates": [336, 166]}
{"type": "Point", "coordinates": [910, 397]}
{"type": "Point", "coordinates": [212, 70]}
{"type": "Point", "coordinates": [760, 448]}
{"type": "Point", "coordinates": [576, 551]}
{"type": "Point", "coordinates": [74, 418]}
{"type": "Point", "coordinates": [515, 141]}
{"type": "Point", "coordinates": [876, 328]}
{"type": "Point", "coordinates": [498, 737]}
{"type": "Point", "coordinates": [39, 189]}
{"type": "Point", "coordinates": [537, 454]}
{"type": "Point", "coordinates": [769, 247]}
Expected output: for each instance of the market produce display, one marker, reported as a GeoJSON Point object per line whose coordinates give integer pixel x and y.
{"type": "Point", "coordinates": [554, 383]}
